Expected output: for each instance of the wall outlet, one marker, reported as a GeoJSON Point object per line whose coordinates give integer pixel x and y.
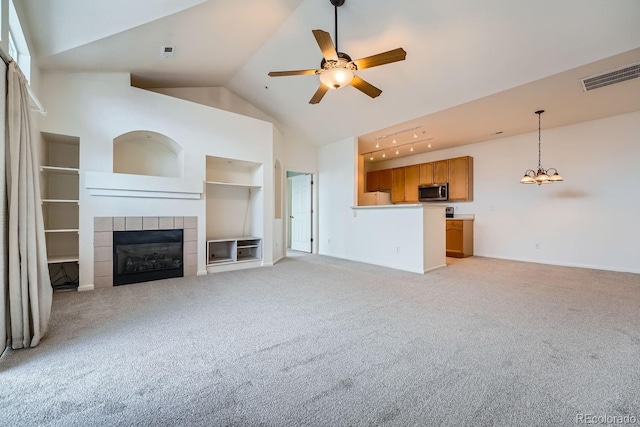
{"type": "Point", "coordinates": [537, 246]}
{"type": "Point", "coordinates": [397, 249]}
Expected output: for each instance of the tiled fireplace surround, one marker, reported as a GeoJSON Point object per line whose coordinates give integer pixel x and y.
{"type": "Point", "coordinates": [103, 228]}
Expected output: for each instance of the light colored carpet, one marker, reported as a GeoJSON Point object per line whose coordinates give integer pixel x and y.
{"type": "Point", "coordinates": [316, 341]}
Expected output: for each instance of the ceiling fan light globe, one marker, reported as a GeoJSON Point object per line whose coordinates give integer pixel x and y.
{"type": "Point", "coordinates": [335, 78]}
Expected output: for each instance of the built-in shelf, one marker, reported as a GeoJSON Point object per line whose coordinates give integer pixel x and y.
{"type": "Point", "coordinates": [60, 201]}
{"type": "Point", "coordinates": [233, 184]}
{"type": "Point", "coordinates": [63, 258]}
{"type": "Point", "coordinates": [61, 208]}
{"type": "Point", "coordinates": [233, 250]}
{"type": "Point", "coordinates": [59, 170]}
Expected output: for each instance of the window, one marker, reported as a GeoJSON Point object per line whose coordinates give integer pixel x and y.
{"type": "Point", "coordinates": [18, 49]}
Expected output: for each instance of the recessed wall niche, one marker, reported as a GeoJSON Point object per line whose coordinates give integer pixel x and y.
{"type": "Point", "coordinates": [143, 152]}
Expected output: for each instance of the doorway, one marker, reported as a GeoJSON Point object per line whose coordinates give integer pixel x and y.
{"type": "Point", "coordinates": [300, 211]}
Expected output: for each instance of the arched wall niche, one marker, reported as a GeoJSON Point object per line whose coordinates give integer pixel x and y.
{"type": "Point", "coordinates": [143, 152]}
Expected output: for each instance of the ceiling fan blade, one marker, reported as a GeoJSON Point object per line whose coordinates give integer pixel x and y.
{"type": "Point", "coordinates": [394, 55]}
{"type": "Point", "coordinates": [365, 87]}
{"type": "Point", "coordinates": [291, 73]}
{"type": "Point", "coordinates": [317, 97]}
{"type": "Point", "coordinates": [326, 45]}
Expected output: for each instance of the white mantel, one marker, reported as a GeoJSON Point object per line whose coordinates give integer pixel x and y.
{"type": "Point", "coordinates": [129, 185]}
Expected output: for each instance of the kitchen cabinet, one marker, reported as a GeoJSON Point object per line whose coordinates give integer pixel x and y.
{"type": "Point", "coordinates": [379, 180]}
{"type": "Point", "coordinates": [441, 171]}
{"type": "Point", "coordinates": [411, 180]}
{"type": "Point", "coordinates": [461, 179]}
{"type": "Point", "coordinates": [385, 180]}
{"type": "Point", "coordinates": [426, 173]}
{"type": "Point", "coordinates": [373, 181]}
{"type": "Point", "coordinates": [459, 234]}
{"type": "Point", "coordinates": [397, 185]}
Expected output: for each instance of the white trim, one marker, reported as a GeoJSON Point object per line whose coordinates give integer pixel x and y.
{"type": "Point", "coordinates": [88, 287]}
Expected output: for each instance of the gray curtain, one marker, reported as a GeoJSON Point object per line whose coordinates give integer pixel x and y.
{"type": "Point", "coordinates": [29, 289]}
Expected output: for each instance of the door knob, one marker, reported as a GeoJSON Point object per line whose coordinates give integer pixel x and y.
{"type": "Point", "coordinates": [291, 216]}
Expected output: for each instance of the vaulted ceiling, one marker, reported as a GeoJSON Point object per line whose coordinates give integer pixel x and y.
{"type": "Point", "coordinates": [472, 68]}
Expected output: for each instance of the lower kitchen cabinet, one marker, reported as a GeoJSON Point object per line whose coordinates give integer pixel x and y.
{"type": "Point", "coordinates": [459, 238]}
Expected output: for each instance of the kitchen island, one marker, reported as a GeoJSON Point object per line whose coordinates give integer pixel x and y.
{"type": "Point", "coordinates": [408, 237]}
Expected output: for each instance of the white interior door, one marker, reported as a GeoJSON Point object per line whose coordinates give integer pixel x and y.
{"type": "Point", "coordinates": [300, 215]}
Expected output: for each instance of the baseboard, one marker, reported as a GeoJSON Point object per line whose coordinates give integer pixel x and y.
{"type": "Point", "coordinates": [435, 268]}
{"type": "Point", "coordinates": [371, 263]}
{"type": "Point", "coordinates": [201, 273]}
{"type": "Point", "coordinates": [564, 264]}
{"type": "Point", "coordinates": [88, 287]}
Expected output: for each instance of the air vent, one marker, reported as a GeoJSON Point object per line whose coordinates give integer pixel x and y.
{"type": "Point", "coordinates": [612, 77]}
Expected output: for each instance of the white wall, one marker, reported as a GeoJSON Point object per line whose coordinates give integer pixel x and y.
{"type": "Point", "coordinates": [99, 107]}
{"type": "Point", "coordinates": [337, 164]}
{"type": "Point", "coordinates": [586, 221]}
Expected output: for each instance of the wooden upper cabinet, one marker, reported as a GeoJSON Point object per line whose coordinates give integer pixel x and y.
{"type": "Point", "coordinates": [411, 182]}
{"type": "Point", "coordinates": [379, 180]}
{"type": "Point", "coordinates": [385, 180]}
{"type": "Point", "coordinates": [461, 178]}
{"type": "Point", "coordinates": [441, 172]}
{"type": "Point", "coordinates": [397, 185]}
{"type": "Point", "coordinates": [373, 181]}
{"type": "Point", "coordinates": [426, 174]}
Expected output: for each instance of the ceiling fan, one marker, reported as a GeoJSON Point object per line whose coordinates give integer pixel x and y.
{"type": "Point", "coordinates": [337, 69]}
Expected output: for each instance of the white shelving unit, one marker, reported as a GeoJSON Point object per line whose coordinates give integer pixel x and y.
{"type": "Point", "coordinates": [60, 188]}
{"type": "Point", "coordinates": [234, 220]}
{"type": "Point", "coordinates": [235, 250]}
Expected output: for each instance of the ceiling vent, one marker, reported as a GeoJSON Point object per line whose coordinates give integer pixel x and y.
{"type": "Point", "coordinates": [612, 77]}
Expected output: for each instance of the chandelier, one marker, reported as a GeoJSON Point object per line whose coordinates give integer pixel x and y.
{"type": "Point", "coordinates": [542, 176]}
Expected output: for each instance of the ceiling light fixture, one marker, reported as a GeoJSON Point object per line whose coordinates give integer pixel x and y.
{"type": "Point", "coordinates": [411, 148]}
{"type": "Point", "coordinates": [371, 158]}
{"type": "Point", "coordinates": [384, 155]}
{"type": "Point", "coordinates": [394, 140]}
{"type": "Point", "coordinates": [397, 152]}
{"type": "Point", "coordinates": [415, 135]}
{"type": "Point", "coordinates": [542, 176]}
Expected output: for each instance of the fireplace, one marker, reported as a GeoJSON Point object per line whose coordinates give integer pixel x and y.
{"type": "Point", "coordinates": [144, 255]}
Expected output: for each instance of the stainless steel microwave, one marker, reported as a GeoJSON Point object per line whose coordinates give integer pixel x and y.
{"type": "Point", "coordinates": [433, 193]}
